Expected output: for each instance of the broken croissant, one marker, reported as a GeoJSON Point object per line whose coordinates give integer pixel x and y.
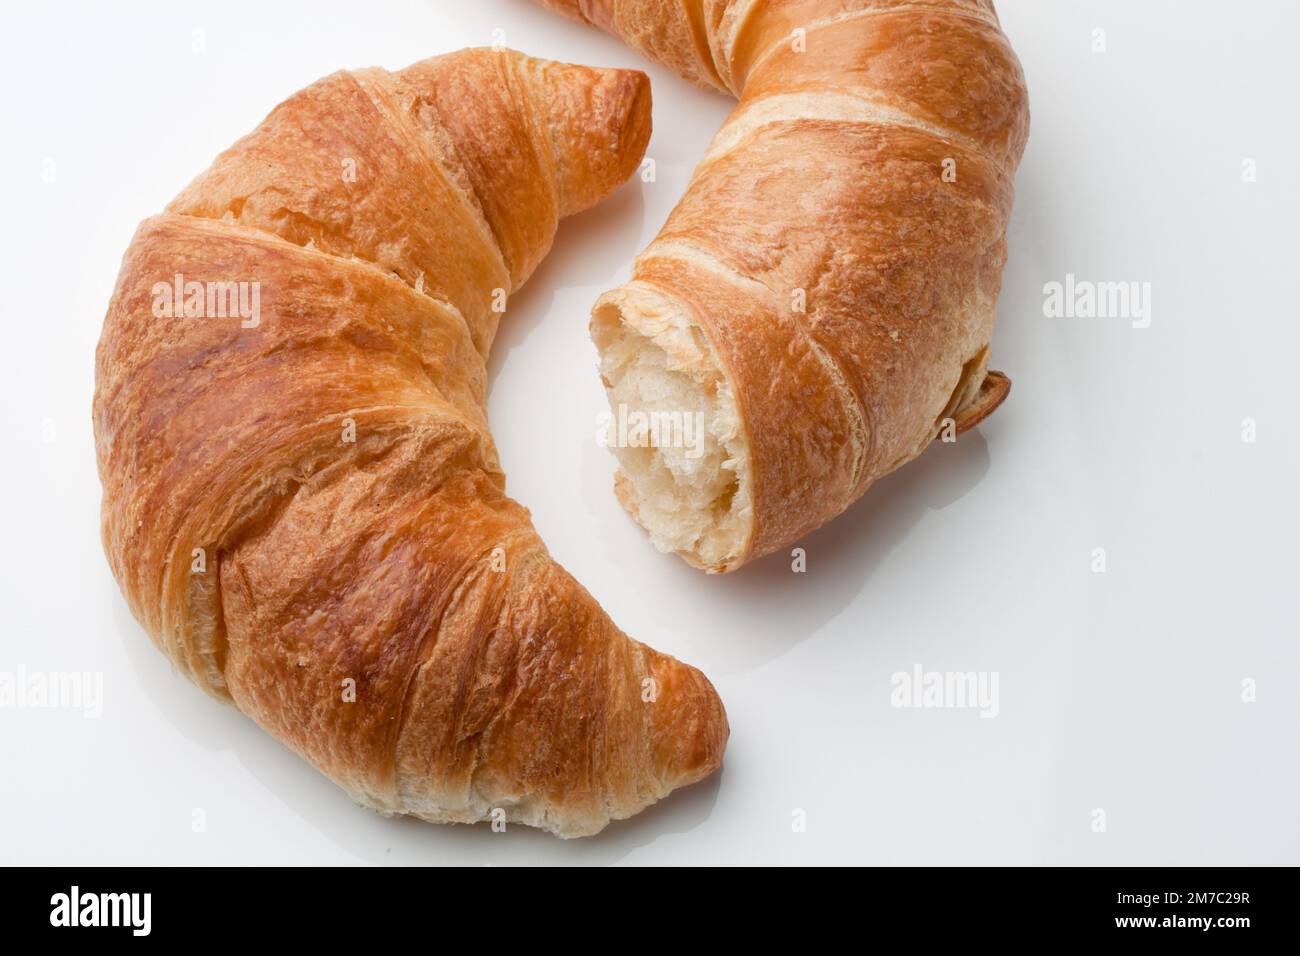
{"type": "Point", "coordinates": [302, 502]}
{"type": "Point", "coordinates": [823, 296]}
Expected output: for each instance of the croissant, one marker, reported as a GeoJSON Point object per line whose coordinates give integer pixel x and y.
{"type": "Point", "coordinates": [822, 298]}
{"type": "Point", "coordinates": [302, 502]}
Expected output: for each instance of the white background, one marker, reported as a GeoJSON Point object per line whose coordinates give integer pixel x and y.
{"type": "Point", "coordinates": [1119, 691]}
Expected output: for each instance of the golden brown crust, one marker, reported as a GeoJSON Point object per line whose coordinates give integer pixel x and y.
{"type": "Point", "coordinates": [841, 245]}
{"type": "Point", "coordinates": [304, 507]}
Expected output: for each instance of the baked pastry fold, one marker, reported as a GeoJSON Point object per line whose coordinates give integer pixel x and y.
{"type": "Point", "coordinates": [824, 293]}
{"type": "Point", "coordinates": [303, 504]}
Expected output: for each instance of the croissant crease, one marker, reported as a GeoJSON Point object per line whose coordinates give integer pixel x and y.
{"type": "Point", "coordinates": [302, 500]}
{"type": "Point", "coordinates": [825, 292]}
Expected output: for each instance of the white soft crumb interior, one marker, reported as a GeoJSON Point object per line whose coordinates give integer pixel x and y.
{"type": "Point", "coordinates": [683, 462]}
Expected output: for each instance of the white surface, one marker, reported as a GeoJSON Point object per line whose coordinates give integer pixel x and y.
{"type": "Point", "coordinates": [1120, 691]}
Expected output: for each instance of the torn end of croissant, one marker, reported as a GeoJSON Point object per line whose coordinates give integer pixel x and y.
{"type": "Point", "coordinates": [684, 465]}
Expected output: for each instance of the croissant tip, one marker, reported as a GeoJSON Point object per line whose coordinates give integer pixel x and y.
{"type": "Point", "coordinates": [603, 123]}
{"type": "Point", "coordinates": [689, 724]}
{"type": "Point", "coordinates": [993, 392]}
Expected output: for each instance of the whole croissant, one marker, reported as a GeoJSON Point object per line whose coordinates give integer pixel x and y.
{"type": "Point", "coordinates": [302, 502]}
{"type": "Point", "coordinates": [824, 294]}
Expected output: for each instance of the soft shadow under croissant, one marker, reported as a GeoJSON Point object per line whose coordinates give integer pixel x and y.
{"type": "Point", "coordinates": [302, 501]}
